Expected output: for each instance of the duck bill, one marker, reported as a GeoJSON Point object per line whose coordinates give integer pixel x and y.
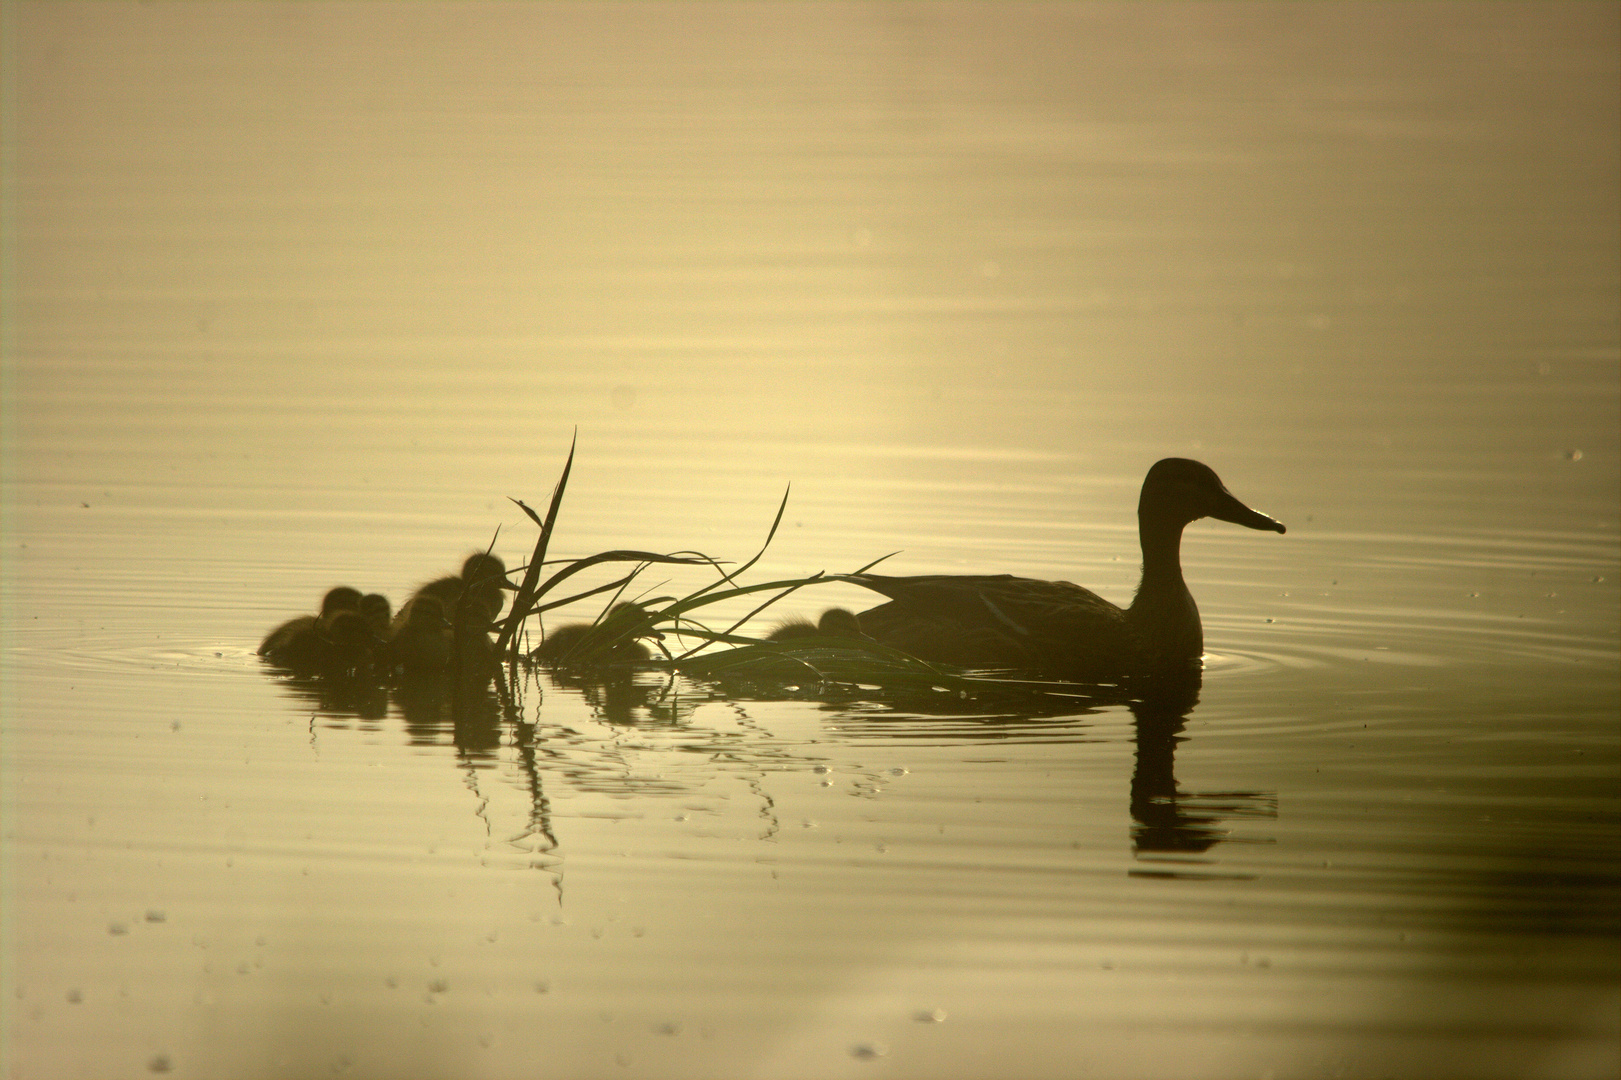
{"type": "Point", "coordinates": [1230, 509]}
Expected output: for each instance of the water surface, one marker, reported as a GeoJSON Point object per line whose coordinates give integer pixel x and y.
{"type": "Point", "coordinates": [304, 293]}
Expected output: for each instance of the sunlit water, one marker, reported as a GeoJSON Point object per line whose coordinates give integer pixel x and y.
{"type": "Point", "coordinates": [305, 293]}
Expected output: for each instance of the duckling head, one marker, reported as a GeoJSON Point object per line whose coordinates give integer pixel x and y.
{"type": "Point", "coordinates": [342, 598]}
{"type": "Point", "coordinates": [349, 643]}
{"type": "Point", "coordinates": [375, 609]}
{"type": "Point", "coordinates": [486, 578]}
{"type": "Point", "coordinates": [839, 622]}
{"type": "Point", "coordinates": [427, 612]}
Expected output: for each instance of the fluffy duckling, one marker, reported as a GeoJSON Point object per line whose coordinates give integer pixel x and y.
{"type": "Point", "coordinates": [422, 638]}
{"type": "Point", "coordinates": [290, 636]}
{"type": "Point", "coordinates": [482, 580]}
{"type": "Point", "coordinates": [588, 643]}
{"type": "Point", "coordinates": [835, 622]}
{"type": "Point", "coordinates": [375, 609]}
{"type": "Point", "coordinates": [336, 642]}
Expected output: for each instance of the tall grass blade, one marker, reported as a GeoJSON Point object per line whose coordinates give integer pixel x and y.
{"type": "Point", "coordinates": [526, 590]}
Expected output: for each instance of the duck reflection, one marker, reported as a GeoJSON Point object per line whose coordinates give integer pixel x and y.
{"type": "Point", "coordinates": [1171, 833]}
{"type": "Point", "coordinates": [1167, 821]}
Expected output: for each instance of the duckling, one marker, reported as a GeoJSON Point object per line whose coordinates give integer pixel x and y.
{"type": "Point", "coordinates": [835, 622]}
{"type": "Point", "coordinates": [375, 609]}
{"type": "Point", "coordinates": [288, 638]}
{"type": "Point", "coordinates": [422, 639]}
{"type": "Point", "coordinates": [337, 644]}
{"type": "Point", "coordinates": [350, 645]}
{"type": "Point", "coordinates": [482, 580]}
{"type": "Point", "coordinates": [1060, 628]}
{"type": "Point", "coordinates": [583, 643]}
{"type": "Point", "coordinates": [791, 629]}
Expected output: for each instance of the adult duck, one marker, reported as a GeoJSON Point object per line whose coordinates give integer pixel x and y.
{"type": "Point", "coordinates": [1061, 629]}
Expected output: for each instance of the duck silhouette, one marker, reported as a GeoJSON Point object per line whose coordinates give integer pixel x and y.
{"type": "Point", "coordinates": [422, 638]}
{"type": "Point", "coordinates": [606, 641]}
{"type": "Point", "coordinates": [482, 581]}
{"type": "Point", "coordinates": [375, 609]}
{"type": "Point", "coordinates": [338, 639]}
{"type": "Point", "coordinates": [342, 598]}
{"type": "Point", "coordinates": [1058, 628]}
{"type": "Point", "coordinates": [835, 622]}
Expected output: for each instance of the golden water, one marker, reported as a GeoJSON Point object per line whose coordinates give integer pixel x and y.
{"type": "Point", "coordinates": [300, 294]}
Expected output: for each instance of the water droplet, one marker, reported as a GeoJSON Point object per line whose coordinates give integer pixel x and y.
{"type": "Point", "coordinates": [439, 986]}
{"type": "Point", "coordinates": [117, 928]}
{"type": "Point", "coordinates": [929, 1016]}
{"type": "Point", "coordinates": [868, 1050]}
{"type": "Point", "coordinates": [155, 915]}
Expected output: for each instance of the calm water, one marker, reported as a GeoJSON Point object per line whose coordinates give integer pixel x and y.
{"type": "Point", "coordinates": [303, 293]}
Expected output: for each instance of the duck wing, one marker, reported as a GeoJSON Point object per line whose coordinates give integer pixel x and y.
{"type": "Point", "coordinates": [999, 620]}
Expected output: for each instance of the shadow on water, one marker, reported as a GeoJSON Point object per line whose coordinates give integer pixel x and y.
{"type": "Point", "coordinates": [1172, 830]}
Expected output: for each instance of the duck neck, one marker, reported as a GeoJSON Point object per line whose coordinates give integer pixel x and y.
{"type": "Point", "coordinates": [1161, 540]}
{"type": "Point", "coordinates": [1163, 617]}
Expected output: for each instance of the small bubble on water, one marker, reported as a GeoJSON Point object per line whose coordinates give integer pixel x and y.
{"type": "Point", "coordinates": [1573, 454]}
{"type": "Point", "coordinates": [543, 987]}
{"type": "Point", "coordinates": [117, 928]}
{"type": "Point", "coordinates": [156, 915]}
{"type": "Point", "coordinates": [159, 1063]}
{"type": "Point", "coordinates": [439, 986]}
{"type": "Point", "coordinates": [929, 1016]}
{"type": "Point", "coordinates": [897, 771]}
{"type": "Point", "coordinates": [75, 997]}
{"type": "Point", "coordinates": [868, 1050]}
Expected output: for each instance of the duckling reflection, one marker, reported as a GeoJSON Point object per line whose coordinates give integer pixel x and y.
{"type": "Point", "coordinates": [1060, 628]}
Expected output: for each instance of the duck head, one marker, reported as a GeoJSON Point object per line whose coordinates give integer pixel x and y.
{"type": "Point", "coordinates": [1180, 490]}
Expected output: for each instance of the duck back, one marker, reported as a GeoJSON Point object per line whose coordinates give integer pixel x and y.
{"type": "Point", "coordinates": [999, 621]}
